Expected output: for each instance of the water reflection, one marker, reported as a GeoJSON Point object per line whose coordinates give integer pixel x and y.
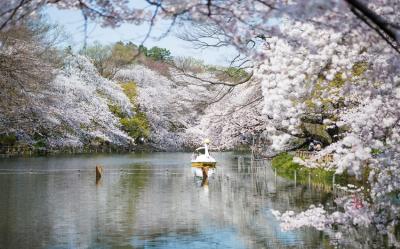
{"type": "Point", "coordinates": [148, 201]}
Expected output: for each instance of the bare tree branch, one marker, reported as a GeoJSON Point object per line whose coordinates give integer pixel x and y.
{"type": "Point", "coordinates": [385, 29]}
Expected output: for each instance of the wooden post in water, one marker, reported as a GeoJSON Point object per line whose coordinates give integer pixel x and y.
{"type": "Point", "coordinates": [295, 178]}
{"type": "Point", "coordinates": [99, 172]}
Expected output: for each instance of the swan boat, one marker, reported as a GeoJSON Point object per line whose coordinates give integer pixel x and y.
{"type": "Point", "coordinates": [201, 159]}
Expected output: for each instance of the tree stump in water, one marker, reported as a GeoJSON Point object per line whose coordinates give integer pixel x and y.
{"type": "Point", "coordinates": [99, 172]}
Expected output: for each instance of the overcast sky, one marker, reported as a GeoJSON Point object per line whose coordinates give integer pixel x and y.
{"type": "Point", "coordinates": [73, 24]}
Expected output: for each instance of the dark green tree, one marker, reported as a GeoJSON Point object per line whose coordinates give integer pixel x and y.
{"type": "Point", "coordinates": [159, 54]}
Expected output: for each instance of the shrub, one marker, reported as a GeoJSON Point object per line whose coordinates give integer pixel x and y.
{"type": "Point", "coordinates": [116, 110]}
{"type": "Point", "coordinates": [157, 66]}
{"type": "Point", "coordinates": [8, 139]}
{"type": "Point", "coordinates": [136, 126]}
{"type": "Point", "coordinates": [233, 74]}
{"type": "Point", "coordinates": [41, 143]}
{"type": "Point", "coordinates": [130, 90]}
{"type": "Point", "coordinates": [359, 68]}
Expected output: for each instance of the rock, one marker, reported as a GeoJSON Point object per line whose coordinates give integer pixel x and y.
{"type": "Point", "coordinates": [318, 132]}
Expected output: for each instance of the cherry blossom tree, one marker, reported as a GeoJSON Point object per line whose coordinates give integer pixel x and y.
{"type": "Point", "coordinates": [331, 63]}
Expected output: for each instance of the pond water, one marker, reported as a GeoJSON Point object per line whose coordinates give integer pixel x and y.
{"type": "Point", "coordinates": [149, 200]}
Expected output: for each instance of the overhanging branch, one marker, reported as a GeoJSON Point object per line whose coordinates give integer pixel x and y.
{"type": "Point", "coordinates": [376, 22]}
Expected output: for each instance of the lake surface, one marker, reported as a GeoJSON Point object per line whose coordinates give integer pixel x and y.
{"type": "Point", "coordinates": [149, 200]}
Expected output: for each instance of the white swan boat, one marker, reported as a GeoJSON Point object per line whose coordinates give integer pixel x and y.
{"type": "Point", "coordinates": [202, 160]}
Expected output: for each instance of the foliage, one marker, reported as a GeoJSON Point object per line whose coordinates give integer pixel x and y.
{"type": "Point", "coordinates": [286, 167]}
{"type": "Point", "coordinates": [108, 59]}
{"type": "Point", "coordinates": [142, 50]}
{"type": "Point", "coordinates": [73, 109]}
{"type": "Point", "coordinates": [233, 74]}
{"type": "Point", "coordinates": [309, 46]}
{"type": "Point", "coordinates": [116, 110]}
{"type": "Point", "coordinates": [8, 139]}
{"type": "Point", "coordinates": [359, 68]}
{"type": "Point", "coordinates": [157, 66]}
{"type": "Point", "coordinates": [158, 54]}
{"type": "Point", "coordinates": [284, 162]}
{"type": "Point", "coordinates": [130, 90]}
{"type": "Point", "coordinates": [28, 63]}
{"type": "Point", "coordinates": [376, 151]}
{"type": "Point", "coordinates": [100, 56]}
{"type": "Point", "coordinates": [41, 143]}
{"type": "Point", "coordinates": [123, 54]}
{"type": "Point", "coordinates": [136, 126]}
{"type": "Point", "coordinates": [171, 108]}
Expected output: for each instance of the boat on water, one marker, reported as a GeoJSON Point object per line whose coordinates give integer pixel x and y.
{"type": "Point", "coordinates": [202, 161]}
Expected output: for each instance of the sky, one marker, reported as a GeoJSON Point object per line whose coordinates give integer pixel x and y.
{"type": "Point", "coordinates": [72, 22]}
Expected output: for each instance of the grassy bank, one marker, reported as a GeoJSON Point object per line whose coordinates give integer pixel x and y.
{"type": "Point", "coordinates": [285, 167]}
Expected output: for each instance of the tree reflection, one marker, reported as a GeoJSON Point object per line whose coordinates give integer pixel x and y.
{"type": "Point", "coordinates": [143, 205]}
